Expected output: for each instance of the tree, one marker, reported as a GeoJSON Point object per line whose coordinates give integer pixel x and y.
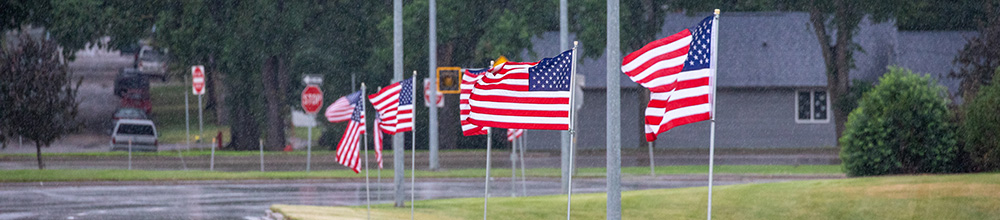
{"type": "Point", "coordinates": [262, 45]}
{"type": "Point", "coordinates": [470, 34]}
{"type": "Point", "coordinates": [978, 130]}
{"type": "Point", "coordinates": [36, 92]}
{"type": "Point", "coordinates": [981, 55]}
{"type": "Point", "coordinates": [72, 24]}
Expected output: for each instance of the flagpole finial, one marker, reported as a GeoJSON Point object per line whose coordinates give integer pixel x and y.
{"type": "Point", "coordinates": [414, 74]}
{"type": "Point", "coordinates": [716, 11]}
{"type": "Point", "coordinates": [362, 84]}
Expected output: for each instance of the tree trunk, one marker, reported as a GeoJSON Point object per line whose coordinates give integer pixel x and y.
{"type": "Point", "coordinates": [274, 122]}
{"type": "Point", "coordinates": [282, 103]}
{"type": "Point", "coordinates": [244, 128]}
{"type": "Point", "coordinates": [448, 117]}
{"type": "Point", "coordinates": [836, 56]}
{"type": "Point", "coordinates": [38, 154]}
{"type": "Point", "coordinates": [214, 99]}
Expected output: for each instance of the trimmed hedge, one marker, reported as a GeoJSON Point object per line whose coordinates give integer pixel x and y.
{"type": "Point", "coordinates": [901, 126]}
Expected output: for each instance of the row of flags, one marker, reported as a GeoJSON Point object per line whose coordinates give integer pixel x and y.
{"type": "Point", "coordinates": [394, 105]}
{"type": "Point", "coordinates": [536, 95]}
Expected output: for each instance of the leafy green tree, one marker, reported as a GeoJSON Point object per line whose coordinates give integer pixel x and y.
{"type": "Point", "coordinates": [72, 24]}
{"type": "Point", "coordinates": [901, 126]}
{"type": "Point", "coordinates": [979, 129]}
{"type": "Point", "coordinates": [36, 92]}
{"type": "Point", "coordinates": [981, 55]}
{"type": "Point", "coordinates": [470, 34]}
{"type": "Point", "coordinates": [260, 46]}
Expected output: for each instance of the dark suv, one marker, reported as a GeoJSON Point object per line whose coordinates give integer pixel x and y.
{"type": "Point", "coordinates": [130, 79]}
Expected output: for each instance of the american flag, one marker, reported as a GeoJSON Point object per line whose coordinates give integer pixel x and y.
{"type": "Point", "coordinates": [677, 71]}
{"type": "Point", "coordinates": [524, 95]}
{"type": "Point", "coordinates": [340, 110]}
{"type": "Point", "coordinates": [347, 149]}
{"type": "Point", "coordinates": [469, 78]}
{"type": "Point", "coordinates": [513, 134]}
{"type": "Point", "coordinates": [427, 94]}
{"type": "Point", "coordinates": [378, 141]}
{"type": "Point", "coordinates": [395, 105]}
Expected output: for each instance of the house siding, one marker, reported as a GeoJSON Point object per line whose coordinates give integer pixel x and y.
{"type": "Point", "coordinates": [746, 118]}
{"type": "Point", "coordinates": [753, 118]}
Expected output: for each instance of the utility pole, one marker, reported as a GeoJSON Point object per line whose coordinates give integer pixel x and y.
{"type": "Point", "coordinates": [564, 135]}
{"type": "Point", "coordinates": [432, 66]}
{"type": "Point", "coordinates": [398, 150]}
{"type": "Point", "coordinates": [614, 201]}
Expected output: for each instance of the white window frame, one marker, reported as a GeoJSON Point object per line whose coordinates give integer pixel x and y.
{"type": "Point", "coordinates": [812, 111]}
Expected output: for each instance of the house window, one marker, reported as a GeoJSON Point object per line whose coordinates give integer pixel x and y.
{"type": "Point", "coordinates": [811, 106]}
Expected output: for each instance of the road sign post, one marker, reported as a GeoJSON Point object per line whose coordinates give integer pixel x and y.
{"type": "Point", "coordinates": [312, 100]}
{"type": "Point", "coordinates": [198, 88]}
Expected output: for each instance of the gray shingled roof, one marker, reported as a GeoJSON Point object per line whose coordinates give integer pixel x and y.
{"type": "Point", "coordinates": [758, 49]}
{"type": "Point", "coordinates": [932, 52]}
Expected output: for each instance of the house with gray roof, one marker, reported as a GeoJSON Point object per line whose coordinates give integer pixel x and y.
{"type": "Point", "coordinates": [771, 82]}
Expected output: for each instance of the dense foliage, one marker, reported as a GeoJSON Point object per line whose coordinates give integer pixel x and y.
{"type": "Point", "coordinates": [980, 128]}
{"type": "Point", "coordinates": [901, 126]}
{"type": "Point", "coordinates": [981, 54]}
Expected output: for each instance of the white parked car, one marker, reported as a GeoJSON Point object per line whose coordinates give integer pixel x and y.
{"type": "Point", "coordinates": [151, 61]}
{"type": "Point", "coordinates": [140, 132]}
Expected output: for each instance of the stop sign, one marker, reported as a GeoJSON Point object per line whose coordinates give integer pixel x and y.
{"type": "Point", "coordinates": [198, 79]}
{"type": "Point", "coordinates": [312, 99]}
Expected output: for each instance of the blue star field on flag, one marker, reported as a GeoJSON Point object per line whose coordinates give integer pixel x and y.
{"type": "Point", "coordinates": [359, 106]}
{"type": "Point", "coordinates": [551, 74]}
{"type": "Point", "coordinates": [700, 54]}
{"type": "Point", "coordinates": [406, 92]}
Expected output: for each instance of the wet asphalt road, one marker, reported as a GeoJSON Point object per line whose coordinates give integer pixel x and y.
{"type": "Point", "coordinates": [249, 199]}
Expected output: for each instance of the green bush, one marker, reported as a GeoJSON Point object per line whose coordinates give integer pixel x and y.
{"type": "Point", "coordinates": [981, 128]}
{"type": "Point", "coordinates": [900, 127]}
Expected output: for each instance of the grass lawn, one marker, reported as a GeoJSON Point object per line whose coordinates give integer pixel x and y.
{"type": "Point", "coordinates": [168, 113]}
{"type": "Point", "coordinates": [968, 196]}
{"type": "Point", "coordinates": [172, 175]}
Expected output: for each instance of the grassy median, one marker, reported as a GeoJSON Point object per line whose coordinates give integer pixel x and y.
{"type": "Point", "coordinates": [969, 196]}
{"type": "Point", "coordinates": [174, 175]}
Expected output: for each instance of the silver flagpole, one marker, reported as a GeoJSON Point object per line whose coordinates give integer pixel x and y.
{"type": "Point", "coordinates": [489, 144]}
{"type": "Point", "coordinates": [378, 195]}
{"type": "Point", "coordinates": [711, 141]}
{"type": "Point", "coordinates": [513, 167]}
{"type": "Point", "coordinates": [486, 195]}
{"type": "Point", "coordinates": [413, 144]}
{"type": "Point", "coordinates": [522, 146]}
{"type": "Point", "coordinates": [572, 133]}
{"type": "Point", "coordinates": [652, 164]}
{"type": "Point", "coordinates": [368, 194]}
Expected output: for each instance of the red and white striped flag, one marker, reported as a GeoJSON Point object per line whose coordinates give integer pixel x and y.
{"type": "Point", "coordinates": [347, 149]}
{"type": "Point", "coordinates": [514, 134]}
{"type": "Point", "coordinates": [395, 105]}
{"type": "Point", "coordinates": [339, 110]}
{"type": "Point", "coordinates": [378, 141]}
{"type": "Point", "coordinates": [524, 95]}
{"type": "Point", "coordinates": [677, 71]}
{"type": "Point", "coordinates": [427, 94]}
{"type": "Point", "coordinates": [469, 78]}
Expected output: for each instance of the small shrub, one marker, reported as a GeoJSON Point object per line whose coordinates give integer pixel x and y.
{"type": "Point", "coordinates": [901, 126]}
{"type": "Point", "coordinates": [981, 128]}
